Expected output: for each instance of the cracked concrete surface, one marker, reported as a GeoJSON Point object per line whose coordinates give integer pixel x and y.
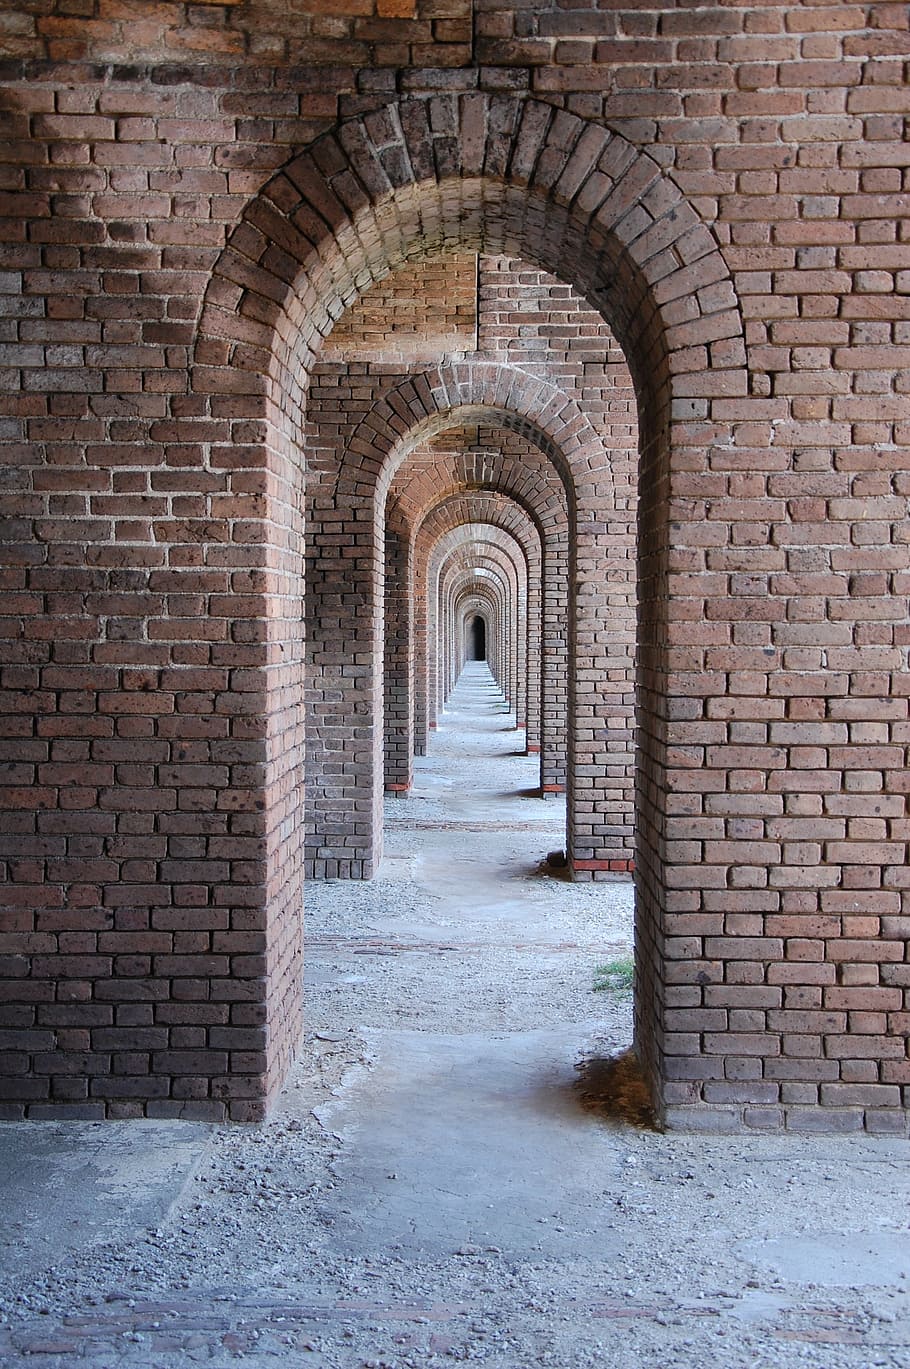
{"type": "Point", "coordinates": [430, 1187]}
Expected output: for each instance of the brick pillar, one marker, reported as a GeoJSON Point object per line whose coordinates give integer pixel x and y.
{"type": "Point", "coordinates": [399, 664]}
{"type": "Point", "coordinates": [344, 693]}
{"type": "Point", "coordinates": [553, 720]}
{"type": "Point", "coordinates": [601, 703]}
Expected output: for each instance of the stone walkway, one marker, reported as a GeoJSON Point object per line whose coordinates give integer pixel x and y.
{"type": "Point", "coordinates": [438, 1182]}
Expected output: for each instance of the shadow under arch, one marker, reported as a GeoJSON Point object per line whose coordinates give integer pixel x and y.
{"type": "Point", "coordinates": [522, 177]}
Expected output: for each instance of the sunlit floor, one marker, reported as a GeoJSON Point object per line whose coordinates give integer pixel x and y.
{"type": "Point", "coordinates": [435, 1184]}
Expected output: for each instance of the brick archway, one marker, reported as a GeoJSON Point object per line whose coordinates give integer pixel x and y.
{"type": "Point", "coordinates": [350, 808]}
{"type": "Point", "coordinates": [554, 189]}
{"type": "Point", "coordinates": [463, 588]}
{"type": "Point", "coordinates": [511, 465]}
{"type": "Point", "coordinates": [414, 538]}
{"type": "Point", "coordinates": [572, 458]}
{"type": "Point", "coordinates": [557, 188]}
{"type": "Point", "coordinates": [544, 555]}
{"type": "Point", "coordinates": [158, 385]}
{"type": "Point", "coordinates": [507, 552]}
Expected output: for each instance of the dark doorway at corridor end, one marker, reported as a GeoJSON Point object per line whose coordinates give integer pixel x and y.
{"type": "Point", "coordinates": [477, 639]}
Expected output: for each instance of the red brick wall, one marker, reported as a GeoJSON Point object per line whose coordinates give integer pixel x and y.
{"type": "Point", "coordinates": [351, 33]}
{"type": "Point", "coordinates": [742, 228]}
{"type": "Point", "coordinates": [422, 311]}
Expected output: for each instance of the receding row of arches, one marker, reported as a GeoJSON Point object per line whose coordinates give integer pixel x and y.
{"type": "Point", "coordinates": [391, 616]}
{"type": "Point", "coordinates": [253, 508]}
{"type": "Point", "coordinates": [571, 199]}
{"type": "Point", "coordinates": [351, 498]}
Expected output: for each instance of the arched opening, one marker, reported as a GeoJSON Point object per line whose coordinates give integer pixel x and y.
{"type": "Point", "coordinates": [477, 640]}
{"type": "Point", "coordinates": [509, 486]}
{"type": "Point", "coordinates": [600, 547]}
{"type": "Point", "coordinates": [570, 197]}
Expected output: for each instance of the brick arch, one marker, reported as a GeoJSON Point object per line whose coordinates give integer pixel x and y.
{"type": "Point", "coordinates": [467, 392]}
{"type": "Point", "coordinates": [516, 494]}
{"type": "Point", "coordinates": [432, 474]}
{"type": "Point", "coordinates": [473, 605]}
{"type": "Point", "coordinates": [340, 838]}
{"type": "Point", "coordinates": [600, 799]}
{"type": "Point", "coordinates": [518, 176]}
{"type": "Point", "coordinates": [459, 575]}
{"type": "Point", "coordinates": [468, 595]}
{"type": "Point", "coordinates": [475, 523]}
{"type": "Point", "coordinates": [410, 656]}
{"type": "Point", "coordinates": [432, 471]}
{"type": "Point", "coordinates": [521, 176]}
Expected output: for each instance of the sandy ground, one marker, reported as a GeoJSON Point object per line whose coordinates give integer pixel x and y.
{"type": "Point", "coordinates": [436, 1183]}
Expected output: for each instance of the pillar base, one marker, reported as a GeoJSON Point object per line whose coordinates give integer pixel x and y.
{"type": "Point", "coordinates": [624, 866]}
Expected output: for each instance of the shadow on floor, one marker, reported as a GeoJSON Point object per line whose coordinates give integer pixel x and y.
{"type": "Point", "coordinates": [550, 869]}
{"type": "Point", "coordinates": [613, 1087]}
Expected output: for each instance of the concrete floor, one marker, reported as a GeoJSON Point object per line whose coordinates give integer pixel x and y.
{"type": "Point", "coordinates": [435, 1185]}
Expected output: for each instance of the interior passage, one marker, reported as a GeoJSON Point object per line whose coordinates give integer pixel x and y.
{"type": "Point", "coordinates": [468, 967]}
{"type": "Point", "coordinates": [478, 639]}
